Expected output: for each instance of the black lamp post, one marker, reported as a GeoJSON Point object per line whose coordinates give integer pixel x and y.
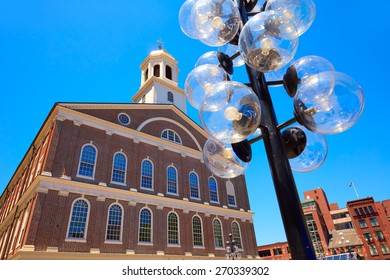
{"type": "Point", "coordinates": [232, 249]}
{"type": "Point", "coordinates": [266, 39]}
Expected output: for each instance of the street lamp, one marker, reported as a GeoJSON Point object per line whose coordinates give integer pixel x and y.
{"type": "Point", "coordinates": [232, 249]}
{"type": "Point", "coordinates": [325, 101]}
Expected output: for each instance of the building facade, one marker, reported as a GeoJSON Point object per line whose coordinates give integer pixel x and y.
{"type": "Point", "coordinates": [359, 230]}
{"type": "Point", "coordinates": [123, 181]}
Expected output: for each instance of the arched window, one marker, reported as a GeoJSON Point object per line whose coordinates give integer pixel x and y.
{"type": "Point", "coordinates": [87, 161]}
{"type": "Point", "coordinates": [231, 196]}
{"type": "Point", "coordinates": [119, 168]}
{"type": "Point", "coordinates": [171, 135]}
{"type": "Point", "coordinates": [114, 223]}
{"type": "Point", "coordinates": [145, 226]}
{"type": "Point", "coordinates": [147, 174]}
{"type": "Point", "coordinates": [156, 70]}
{"type": "Point", "coordinates": [78, 219]}
{"type": "Point", "coordinates": [236, 234]}
{"type": "Point", "coordinates": [168, 72]}
{"type": "Point", "coordinates": [171, 180]}
{"type": "Point", "coordinates": [170, 96]}
{"type": "Point", "coordinates": [197, 231]}
{"type": "Point", "coordinates": [194, 185]}
{"type": "Point", "coordinates": [173, 229]}
{"type": "Point", "coordinates": [217, 228]}
{"type": "Point", "coordinates": [213, 190]}
{"type": "Point", "coordinates": [146, 75]}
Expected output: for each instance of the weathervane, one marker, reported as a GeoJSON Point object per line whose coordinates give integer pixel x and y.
{"type": "Point", "coordinates": [160, 43]}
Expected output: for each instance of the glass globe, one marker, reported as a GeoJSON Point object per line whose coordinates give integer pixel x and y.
{"type": "Point", "coordinates": [186, 20]}
{"type": "Point", "coordinates": [313, 155]}
{"type": "Point", "coordinates": [231, 50]}
{"type": "Point", "coordinates": [200, 80]}
{"type": "Point", "coordinates": [277, 75]}
{"type": "Point", "coordinates": [221, 160]}
{"type": "Point", "coordinates": [329, 102]}
{"type": "Point", "coordinates": [208, 58]}
{"type": "Point", "coordinates": [230, 112]}
{"type": "Point", "coordinates": [216, 22]}
{"type": "Point", "coordinates": [302, 69]}
{"type": "Point", "coordinates": [301, 12]}
{"type": "Point", "coordinates": [268, 42]}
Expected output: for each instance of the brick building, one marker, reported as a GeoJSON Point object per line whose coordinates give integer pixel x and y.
{"type": "Point", "coordinates": [362, 227]}
{"type": "Point", "coordinates": [123, 181]}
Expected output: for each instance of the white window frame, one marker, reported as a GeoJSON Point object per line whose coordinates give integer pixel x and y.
{"type": "Point", "coordinates": [175, 134]}
{"type": "Point", "coordinates": [189, 185]}
{"type": "Point", "coordinates": [151, 227]}
{"type": "Point", "coordinates": [239, 229]}
{"type": "Point", "coordinates": [220, 223]}
{"type": "Point", "coordinates": [178, 230]}
{"type": "Point", "coordinates": [216, 189]}
{"type": "Point", "coordinates": [177, 180]}
{"type": "Point", "coordinates": [193, 236]}
{"type": "Point", "coordinates": [112, 169]}
{"type": "Point", "coordinates": [121, 231]}
{"type": "Point", "coordinates": [75, 239]}
{"type": "Point", "coordinates": [94, 164]}
{"type": "Point", "coordinates": [143, 188]}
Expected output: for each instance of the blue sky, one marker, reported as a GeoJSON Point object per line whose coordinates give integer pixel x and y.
{"type": "Point", "coordinates": [90, 51]}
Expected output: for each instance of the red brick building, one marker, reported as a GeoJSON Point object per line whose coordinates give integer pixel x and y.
{"type": "Point", "coordinates": [123, 181]}
{"type": "Point", "coordinates": [362, 227]}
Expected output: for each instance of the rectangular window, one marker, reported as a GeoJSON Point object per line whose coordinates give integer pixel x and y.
{"type": "Point", "coordinates": [374, 222]}
{"type": "Point", "coordinates": [367, 236]}
{"type": "Point", "coordinates": [371, 210]}
{"type": "Point", "coordinates": [385, 249]}
{"type": "Point", "coordinates": [361, 211]}
{"type": "Point", "coordinates": [363, 223]}
{"type": "Point", "coordinates": [277, 251]}
{"type": "Point", "coordinates": [373, 250]}
{"type": "Point", "coordinates": [356, 211]}
{"type": "Point", "coordinates": [265, 253]}
{"type": "Point", "coordinates": [379, 235]}
{"type": "Point", "coordinates": [231, 200]}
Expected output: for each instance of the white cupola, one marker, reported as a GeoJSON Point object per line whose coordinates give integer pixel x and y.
{"type": "Point", "coordinates": [159, 81]}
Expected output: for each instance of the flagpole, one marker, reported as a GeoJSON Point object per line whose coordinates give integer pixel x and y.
{"type": "Point", "coordinates": [353, 186]}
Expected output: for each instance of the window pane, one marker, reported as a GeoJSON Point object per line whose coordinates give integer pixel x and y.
{"type": "Point", "coordinates": [171, 180]}
{"type": "Point", "coordinates": [171, 135]}
{"type": "Point", "coordinates": [194, 185]}
{"type": "Point", "coordinates": [213, 190]}
{"type": "Point", "coordinates": [87, 161]}
{"type": "Point", "coordinates": [173, 229]}
{"type": "Point", "coordinates": [231, 200]}
{"type": "Point", "coordinates": [362, 223]}
{"type": "Point", "coordinates": [236, 234]}
{"type": "Point", "coordinates": [114, 223]}
{"type": "Point", "coordinates": [145, 226]}
{"type": "Point", "coordinates": [217, 234]}
{"type": "Point", "coordinates": [374, 222]}
{"type": "Point", "coordinates": [147, 175]}
{"type": "Point", "coordinates": [197, 231]}
{"type": "Point", "coordinates": [78, 220]}
{"type": "Point", "coordinates": [119, 168]}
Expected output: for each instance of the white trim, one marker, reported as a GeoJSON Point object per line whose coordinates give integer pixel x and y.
{"type": "Point", "coordinates": [178, 230]}
{"type": "Point", "coordinates": [129, 133]}
{"type": "Point", "coordinates": [74, 239]}
{"type": "Point", "coordinates": [216, 186]}
{"type": "Point", "coordinates": [239, 228]}
{"type": "Point", "coordinates": [220, 224]}
{"type": "Point", "coordinates": [112, 169]}
{"type": "Point", "coordinates": [177, 180]}
{"type": "Point", "coordinates": [151, 226]}
{"type": "Point", "coordinates": [141, 126]}
{"type": "Point", "coordinates": [89, 189]}
{"type": "Point", "coordinates": [201, 227]}
{"type": "Point", "coordinates": [108, 217]}
{"type": "Point", "coordinates": [122, 113]}
{"type": "Point", "coordinates": [189, 185]}
{"type": "Point", "coordinates": [140, 182]}
{"type": "Point", "coordinates": [94, 164]}
{"type": "Point", "coordinates": [174, 134]}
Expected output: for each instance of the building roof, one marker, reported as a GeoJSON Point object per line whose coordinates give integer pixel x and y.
{"type": "Point", "coordinates": [343, 238]}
